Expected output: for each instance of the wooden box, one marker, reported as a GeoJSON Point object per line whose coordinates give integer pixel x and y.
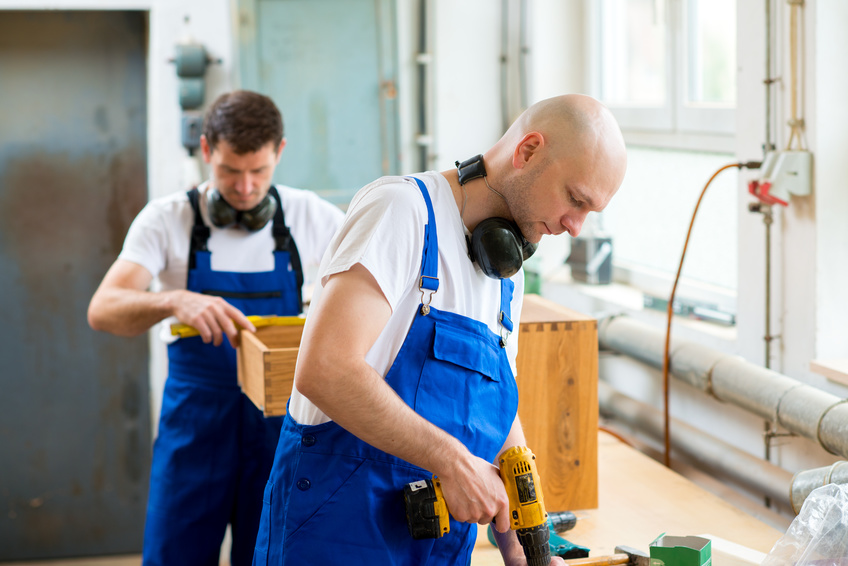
{"type": "Point", "coordinates": [558, 401]}
{"type": "Point", "coordinates": [266, 362]}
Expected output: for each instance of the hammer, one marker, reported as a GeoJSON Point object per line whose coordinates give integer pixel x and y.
{"type": "Point", "coordinates": [623, 555]}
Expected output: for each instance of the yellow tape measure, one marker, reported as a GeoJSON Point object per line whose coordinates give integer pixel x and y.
{"type": "Point", "coordinates": [186, 331]}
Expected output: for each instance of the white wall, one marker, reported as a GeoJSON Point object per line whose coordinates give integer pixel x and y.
{"type": "Point", "coordinates": [466, 79]}
{"type": "Point", "coordinates": [829, 118]}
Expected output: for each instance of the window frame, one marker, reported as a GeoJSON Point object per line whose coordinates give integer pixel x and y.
{"type": "Point", "coordinates": [676, 124]}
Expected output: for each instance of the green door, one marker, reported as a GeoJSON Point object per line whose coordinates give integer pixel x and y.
{"type": "Point", "coordinates": [330, 65]}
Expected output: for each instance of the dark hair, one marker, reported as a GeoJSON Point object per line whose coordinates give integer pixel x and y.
{"type": "Point", "coordinates": [246, 120]}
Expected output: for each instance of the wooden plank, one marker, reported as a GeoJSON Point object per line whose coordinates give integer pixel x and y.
{"type": "Point", "coordinates": [250, 356]}
{"type": "Point", "coordinates": [639, 499]}
{"type": "Point", "coordinates": [835, 370]}
{"type": "Point", "coordinates": [537, 309]}
{"type": "Point", "coordinates": [558, 400]}
{"type": "Point", "coordinates": [275, 337]}
{"type": "Point", "coordinates": [266, 362]}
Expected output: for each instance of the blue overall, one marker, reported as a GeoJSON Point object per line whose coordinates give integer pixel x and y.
{"type": "Point", "coordinates": [214, 449]}
{"type": "Point", "coordinates": [333, 499]}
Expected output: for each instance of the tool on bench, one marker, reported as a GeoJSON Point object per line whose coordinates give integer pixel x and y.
{"type": "Point", "coordinates": [186, 331]}
{"type": "Point", "coordinates": [427, 514]}
{"type": "Point", "coordinates": [623, 555]}
{"type": "Point", "coordinates": [561, 521]}
{"type": "Point", "coordinates": [558, 522]}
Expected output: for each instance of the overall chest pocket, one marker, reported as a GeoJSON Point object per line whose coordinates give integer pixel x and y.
{"type": "Point", "coordinates": [467, 389]}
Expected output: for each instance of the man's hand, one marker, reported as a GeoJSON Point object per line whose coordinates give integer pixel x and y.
{"type": "Point", "coordinates": [122, 305]}
{"type": "Point", "coordinates": [474, 492]}
{"type": "Point", "coordinates": [212, 317]}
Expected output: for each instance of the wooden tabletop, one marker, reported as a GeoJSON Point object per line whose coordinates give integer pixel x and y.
{"type": "Point", "coordinates": [639, 499]}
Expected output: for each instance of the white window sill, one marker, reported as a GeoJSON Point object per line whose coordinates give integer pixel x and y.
{"type": "Point", "coordinates": [709, 143]}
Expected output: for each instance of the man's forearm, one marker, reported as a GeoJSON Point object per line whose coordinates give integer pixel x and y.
{"type": "Point", "coordinates": [510, 548]}
{"type": "Point", "coordinates": [128, 312]}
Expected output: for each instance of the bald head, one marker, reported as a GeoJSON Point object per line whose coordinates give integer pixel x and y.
{"type": "Point", "coordinates": [564, 156]}
{"type": "Point", "coordinates": [572, 123]}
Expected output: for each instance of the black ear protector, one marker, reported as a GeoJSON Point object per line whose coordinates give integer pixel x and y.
{"type": "Point", "coordinates": [223, 215]}
{"type": "Point", "coordinates": [496, 245]}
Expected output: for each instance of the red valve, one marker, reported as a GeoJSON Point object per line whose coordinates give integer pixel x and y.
{"type": "Point", "coordinates": [761, 191]}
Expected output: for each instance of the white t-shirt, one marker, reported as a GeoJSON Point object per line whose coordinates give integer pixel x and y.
{"type": "Point", "coordinates": [159, 239]}
{"type": "Point", "coordinates": [384, 231]}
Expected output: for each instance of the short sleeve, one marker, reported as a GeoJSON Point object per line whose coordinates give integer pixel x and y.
{"type": "Point", "coordinates": [147, 240]}
{"type": "Point", "coordinates": [384, 232]}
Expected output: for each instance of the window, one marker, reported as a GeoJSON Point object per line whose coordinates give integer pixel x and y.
{"type": "Point", "coordinates": [667, 68]}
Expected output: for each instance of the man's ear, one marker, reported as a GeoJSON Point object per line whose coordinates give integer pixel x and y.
{"type": "Point", "coordinates": [527, 148]}
{"type": "Point", "coordinates": [280, 149]}
{"type": "Point", "coordinates": [205, 150]}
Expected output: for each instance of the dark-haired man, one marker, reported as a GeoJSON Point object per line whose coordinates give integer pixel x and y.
{"type": "Point", "coordinates": [232, 247]}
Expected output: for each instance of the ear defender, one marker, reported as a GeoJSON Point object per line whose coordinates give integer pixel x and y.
{"type": "Point", "coordinates": [223, 215]}
{"type": "Point", "coordinates": [496, 245]}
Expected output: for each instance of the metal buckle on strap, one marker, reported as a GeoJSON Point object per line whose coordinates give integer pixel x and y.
{"type": "Point", "coordinates": [425, 307]}
{"type": "Point", "coordinates": [505, 331]}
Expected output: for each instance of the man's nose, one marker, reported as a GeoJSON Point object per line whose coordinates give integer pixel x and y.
{"type": "Point", "coordinates": [573, 222]}
{"type": "Point", "coordinates": [244, 184]}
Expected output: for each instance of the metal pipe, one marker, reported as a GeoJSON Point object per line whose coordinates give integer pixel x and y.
{"type": "Point", "coordinates": [768, 219]}
{"type": "Point", "coordinates": [806, 481]}
{"type": "Point", "coordinates": [768, 426]}
{"type": "Point", "coordinates": [768, 80]}
{"type": "Point", "coordinates": [524, 54]}
{"type": "Point", "coordinates": [796, 406]}
{"type": "Point", "coordinates": [710, 453]}
{"type": "Point", "coordinates": [505, 121]}
{"type": "Point", "coordinates": [423, 59]}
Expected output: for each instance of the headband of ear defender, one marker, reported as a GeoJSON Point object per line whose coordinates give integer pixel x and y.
{"type": "Point", "coordinates": [496, 245]}
{"type": "Point", "coordinates": [223, 215]}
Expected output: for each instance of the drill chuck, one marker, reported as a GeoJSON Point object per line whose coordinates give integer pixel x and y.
{"type": "Point", "coordinates": [535, 542]}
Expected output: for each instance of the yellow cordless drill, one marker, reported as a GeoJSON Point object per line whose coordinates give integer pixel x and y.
{"type": "Point", "coordinates": [427, 514]}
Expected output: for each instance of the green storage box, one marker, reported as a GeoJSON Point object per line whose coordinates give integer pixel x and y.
{"type": "Point", "coordinates": [680, 551]}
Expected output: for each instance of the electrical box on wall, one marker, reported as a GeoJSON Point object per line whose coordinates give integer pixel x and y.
{"type": "Point", "coordinates": [783, 173]}
{"type": "Point", "coordinates": [191, 61]}
{"type": "Point", "coordinates": [192, 123]}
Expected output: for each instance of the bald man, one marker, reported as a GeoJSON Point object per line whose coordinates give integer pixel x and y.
{"type": "Point", "coordinates": [407, 363]}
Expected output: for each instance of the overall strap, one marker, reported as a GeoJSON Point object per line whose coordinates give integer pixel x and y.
{"type": "Point", "coordinates": [429, 278]}
{"type": "Point", "coordinates": [505, 314]}
{"type": "Point", "coordinates": [199, 231]}
{"type": "Point", "coordinates": [283, 240]}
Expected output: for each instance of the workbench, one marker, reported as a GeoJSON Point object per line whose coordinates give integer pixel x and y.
{"type": "Point", "coordinates": [638, 500]}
